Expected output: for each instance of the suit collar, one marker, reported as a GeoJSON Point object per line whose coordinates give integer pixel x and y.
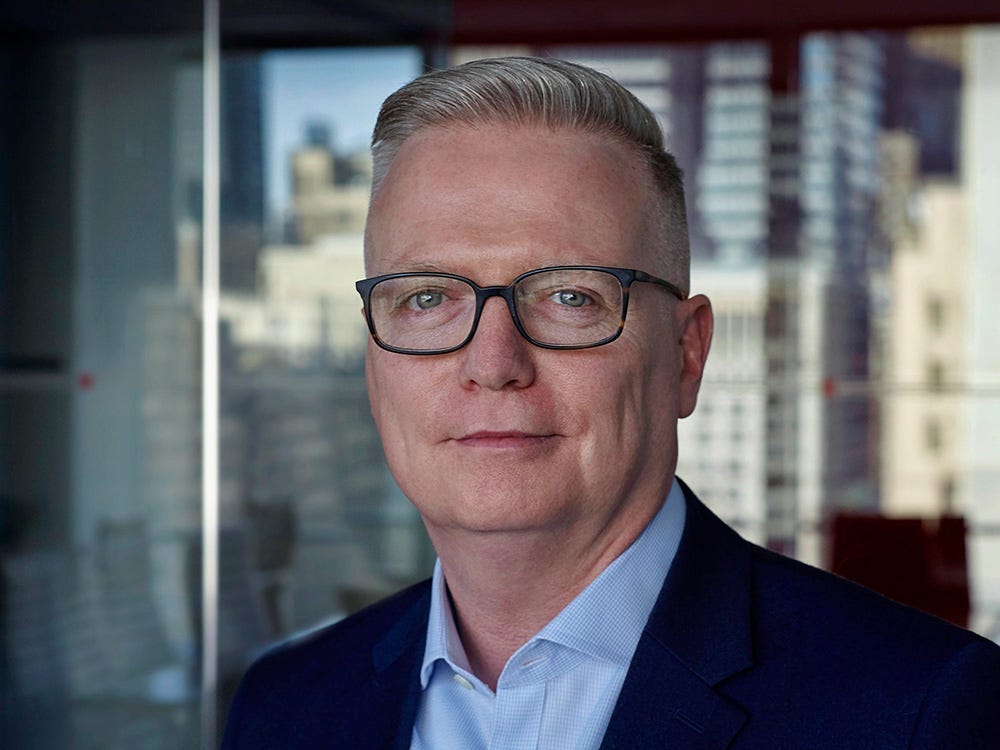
{"type": "Point", "coordinates": [409, 630]}
{"type": "Point", "coordinates": [698, 635]}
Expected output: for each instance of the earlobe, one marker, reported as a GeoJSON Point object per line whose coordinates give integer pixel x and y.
{"type": "Point", "coordinates": [696, 323]}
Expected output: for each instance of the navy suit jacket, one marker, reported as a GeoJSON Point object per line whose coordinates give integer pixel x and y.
{"type": "Point", "coordinates": [744, 649]}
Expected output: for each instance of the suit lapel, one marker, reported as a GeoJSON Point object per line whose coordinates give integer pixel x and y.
{"type": "Point", "coordinates": [663, 704]}
{"type": "Point", "coordinates": [699, 634]}
{"type": "Point", "coordinates": [387, 705]}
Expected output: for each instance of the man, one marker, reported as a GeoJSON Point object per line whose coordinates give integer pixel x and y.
{"type": "Point", "coordinates": [533, 345]}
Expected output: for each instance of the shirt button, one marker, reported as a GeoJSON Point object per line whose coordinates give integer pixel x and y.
{"type": "Point", "coordinates": [463, 682]}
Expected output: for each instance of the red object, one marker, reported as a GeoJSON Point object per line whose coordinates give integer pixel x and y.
{"type": "Point", "coordinates": [829, 387]}
{"type": "Point", "coordinates": [919, 562]}
{"type": "Point", "coordinates": [85, 381]}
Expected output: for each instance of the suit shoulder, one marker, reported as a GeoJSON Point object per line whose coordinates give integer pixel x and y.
{"type": "Point", "coordinates": [342, 644]}
{"type": "Point", "coordinates": [834, 609]}
{"type": "Point", "coordinates": [313, 686]}
{"type": "Point", "coordinates": [832, 642]}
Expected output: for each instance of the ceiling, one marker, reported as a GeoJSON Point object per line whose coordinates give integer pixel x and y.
{"type": "Point", "coordinates": [270, 23]}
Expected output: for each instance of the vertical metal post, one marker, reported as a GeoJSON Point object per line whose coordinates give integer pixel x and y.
{"type": "Point", "coordinates": [210, 378]}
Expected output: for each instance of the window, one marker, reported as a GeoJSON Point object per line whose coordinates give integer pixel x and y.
{"type": "Point", "coordinates": [826, 263]}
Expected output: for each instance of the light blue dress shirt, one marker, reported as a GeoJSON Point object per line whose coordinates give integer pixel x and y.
{"type": "Point", "coordinates": [559, 689]}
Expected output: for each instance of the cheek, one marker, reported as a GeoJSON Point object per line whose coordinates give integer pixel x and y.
{"type": "Point", "coordinates": [608, 397]}
{"type": "Point", "coordinates": [400, 407]}
{"type": "Point", "coordinates": [392, 402]}
{"type": "Point", "coordinates": [641, 401]}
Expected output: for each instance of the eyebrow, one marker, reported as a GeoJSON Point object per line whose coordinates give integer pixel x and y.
{"type": "Point", "coordinates": [427, 266]}
{"type": "Point", "coordinates": [405, 265]}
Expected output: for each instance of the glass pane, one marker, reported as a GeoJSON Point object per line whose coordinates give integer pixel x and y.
{"type": "Point", "coordinates": [99, 391]}
{"type": "Point", "coordinates": [313, 525]}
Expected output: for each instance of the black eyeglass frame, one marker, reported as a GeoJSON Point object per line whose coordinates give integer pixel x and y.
{"type": "Point", "coordinates": [626, 277]}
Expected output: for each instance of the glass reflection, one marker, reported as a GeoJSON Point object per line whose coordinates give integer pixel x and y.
{"type": "Point", "coordinates": [314, 527]}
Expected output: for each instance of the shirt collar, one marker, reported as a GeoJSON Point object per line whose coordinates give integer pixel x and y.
{"type": "Point", "coordinates": [604, 621]}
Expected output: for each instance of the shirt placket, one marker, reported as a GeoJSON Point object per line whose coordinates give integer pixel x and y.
{"type": "Point", "coordinates": [518, 717]}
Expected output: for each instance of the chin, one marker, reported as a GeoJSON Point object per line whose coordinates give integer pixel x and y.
{"type": "Point", "coordinates": [495, 511]}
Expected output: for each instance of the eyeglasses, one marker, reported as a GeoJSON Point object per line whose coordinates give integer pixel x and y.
{"type": "Point", "coordinates": [562, 307]}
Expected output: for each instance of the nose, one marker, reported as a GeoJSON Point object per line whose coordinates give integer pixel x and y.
{"type": "Point", "coordinates": [498, 357]}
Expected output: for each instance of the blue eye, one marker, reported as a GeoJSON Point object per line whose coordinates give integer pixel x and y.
{"type": "Point", "coordinates": [571, 298]}
{"type": "Point", "coordinates": [427, 300]}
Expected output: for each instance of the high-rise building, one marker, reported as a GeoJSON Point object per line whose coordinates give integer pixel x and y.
{"type": "Point", "coordinates": [980, 486]}
{"type": "Point", "coordinates": [924, 225]}
{"type": "Point", "coordinates": [329, 190]}
{"type": "Point", "coordinates": [938, 408]}
{"type": "Point", "coordinates": [922, 418]}
{"type": "Point", "coordinates": [824, 154]}
{"type": "Point", "coordinates": [721, 447]}
{"type": "Point", "coordinates": [241, 171]}
{"type": "Point", "coordinates": [729, 194]}
{"type": "Point", "coordinates": [842, 90]}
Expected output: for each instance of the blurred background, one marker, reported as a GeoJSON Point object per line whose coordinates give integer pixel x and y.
{"type": "Point", "coordinates": [843, 192]}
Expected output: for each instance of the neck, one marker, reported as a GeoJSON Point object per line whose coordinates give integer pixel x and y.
{"type": "Point", "coordinates": [506, 586]}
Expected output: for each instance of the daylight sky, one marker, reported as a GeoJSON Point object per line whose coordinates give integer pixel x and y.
{"type": "Point", "coordinates": [343, 88]}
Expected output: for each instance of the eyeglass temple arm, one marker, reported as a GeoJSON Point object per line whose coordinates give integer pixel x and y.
{"type": "Point", "coordinates": [672, 288]}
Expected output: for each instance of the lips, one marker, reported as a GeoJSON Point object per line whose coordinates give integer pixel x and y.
{"type": "Point", "coordinates": [502, 439]}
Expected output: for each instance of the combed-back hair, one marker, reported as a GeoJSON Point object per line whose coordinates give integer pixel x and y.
{"type": "Point", "coordinates": [545, 92]}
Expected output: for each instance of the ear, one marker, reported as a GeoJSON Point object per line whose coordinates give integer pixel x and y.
{"type": "Point", "coordinates": [694, 325]}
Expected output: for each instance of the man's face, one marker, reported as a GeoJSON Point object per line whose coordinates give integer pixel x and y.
{"type": "Point", "coordinates": [503, 436]}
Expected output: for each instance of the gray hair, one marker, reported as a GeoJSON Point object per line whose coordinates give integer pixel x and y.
{"type": "Point", "coordinates": [532, 91]}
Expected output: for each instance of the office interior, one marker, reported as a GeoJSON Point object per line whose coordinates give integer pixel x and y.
{"type": "Point", "coordinates": [189, 472]}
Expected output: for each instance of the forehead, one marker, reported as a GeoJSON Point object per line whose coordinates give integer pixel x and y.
{"type": "Point", "coordinates": [522, 195]}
